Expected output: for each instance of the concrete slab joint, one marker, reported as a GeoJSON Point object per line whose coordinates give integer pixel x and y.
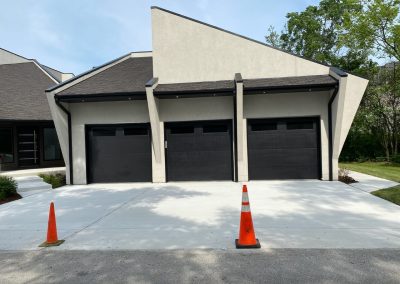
{"type": "Point", "coordinates": [157, 133]}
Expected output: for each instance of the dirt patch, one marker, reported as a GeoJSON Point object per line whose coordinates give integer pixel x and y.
{"type": "Point", "coordinates": [13, 197]}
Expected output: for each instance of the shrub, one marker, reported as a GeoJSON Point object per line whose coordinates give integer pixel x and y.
{"type": "Point", "coordinates": [8, 187]}
{"type": "Point", "coordinates": [344, 176]}
{"type": "Point", "coordinates": [56, 180]}
{"type": "Point", "coordinates": [395, 159]}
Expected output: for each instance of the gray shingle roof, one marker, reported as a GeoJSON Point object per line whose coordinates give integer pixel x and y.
{"type": "Point", "coordinates": [22, 95]}
{"type": "Point", "coordinates": [212, 86]}
{"type": "Point", "coordinates": [129, 76]}
{"type": "Point", "coordinates": [300, 81]}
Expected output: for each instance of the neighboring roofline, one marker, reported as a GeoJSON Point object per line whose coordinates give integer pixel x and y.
{"type": "Point", "coordinates": [37, 63]}
{"type": "Point", "coordinates": [248, 38]}
{"type": "Point", "coordinates": [15, 53]}
{"type": "Point", "coordinates": [73, 79]}
{"type": "Point", "coordinates": [44, 70]}
{"type": "Point", "coordinates": [57, 70]}
{"type": "Point", "coordinates": [87, 72]}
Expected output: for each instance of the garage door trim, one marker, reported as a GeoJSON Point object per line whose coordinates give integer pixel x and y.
{"type": "Point", "coordinates": [88, 127]}
{"type": "Point", "coordinates": [196, 123]}
{"type": "Point", "coordinates": [316, 118]}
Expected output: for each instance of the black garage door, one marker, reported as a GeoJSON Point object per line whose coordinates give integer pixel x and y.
{"type": "Point", "coordinates": [199, 151]}
{"type": "Point", "coordinates": [119, 153]}
{"type": "Point", "coordinates": [284, 149]}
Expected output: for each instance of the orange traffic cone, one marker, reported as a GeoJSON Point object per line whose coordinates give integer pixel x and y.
{"type": "Point", "coordinates": [52, 238]}
{"type": "Point", "coordinates": [247, 236]}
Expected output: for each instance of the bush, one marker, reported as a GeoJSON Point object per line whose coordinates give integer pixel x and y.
{"type": "Point", "coordinates": [344, 176]}
{"type": "Point", "coordinates": [8, 187]}
{"type": "Point", "coordinates": [56, 180]}
{"type": "Point", "coordinates": [395, 159]}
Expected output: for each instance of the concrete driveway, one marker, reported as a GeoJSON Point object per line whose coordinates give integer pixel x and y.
{"type": "Point", "coordinates": [287, 214]}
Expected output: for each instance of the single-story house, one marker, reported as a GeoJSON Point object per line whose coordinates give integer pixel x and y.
{"type": "Point", "coordinates": [204, 104]}
{"type": "Point", "coordinates": [28, 138]}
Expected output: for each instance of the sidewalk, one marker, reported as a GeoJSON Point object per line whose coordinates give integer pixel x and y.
{"type": "Point", "coordinates": [369, 183]}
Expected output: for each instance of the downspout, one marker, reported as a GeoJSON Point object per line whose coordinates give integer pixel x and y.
{"type": "Point", "coordinates": [336, 90]}
{"type": "Point", "coordinates": [71, 172]}
{"type": "Point", "coordinates": [235, 135]}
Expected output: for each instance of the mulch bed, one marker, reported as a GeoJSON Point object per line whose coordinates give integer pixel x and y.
{"type": "Point", "coordinates": [13, 197]}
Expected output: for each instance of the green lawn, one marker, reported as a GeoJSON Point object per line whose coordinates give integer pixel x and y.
{"type": "Point", "coordinates": [384, 170]}
{"type": "Point", "coordinates": [391, 194]}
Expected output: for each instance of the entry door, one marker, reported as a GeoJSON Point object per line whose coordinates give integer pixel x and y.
{"type": "Point", "coordinates": [283, 148]}
{"type": "Point", "coordinates": [28, 147]}
{"type": "Point", "coordinates": [197, 151]}
{"type": "Point", "coordinates": [119, 153]}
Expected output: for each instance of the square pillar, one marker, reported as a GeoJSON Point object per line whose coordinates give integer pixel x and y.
{"type": "Point", "coordinates": [157, 133]}
{"type": "Point", "coordinates": [241, 132]}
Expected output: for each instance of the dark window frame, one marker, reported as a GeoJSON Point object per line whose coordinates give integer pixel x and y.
{"type": "Point", "coordinates": [296, 124]}
{"type": "Point", "coordinates": [44, 145]}
{"type": "Point", "coordinates": [12, 145]}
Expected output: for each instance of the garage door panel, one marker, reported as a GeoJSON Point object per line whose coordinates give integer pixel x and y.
{"type": "Point", "coordinates": [202, 154]}
{"type": "Point", "coordinates": [119, 153]}
{"type": "Point", "coordinates": [289, 151]}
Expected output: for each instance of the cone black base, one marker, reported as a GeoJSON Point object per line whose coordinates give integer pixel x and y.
{"type": "Point", "coordinates": [239, 246]}
{"type": "Point", "coordinates": [57, 243]}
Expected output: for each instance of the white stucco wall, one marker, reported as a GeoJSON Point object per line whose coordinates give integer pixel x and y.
{"type": "Point", "coordinates": [188, 51]}
{"type": "Point", "coordinates": [208, 108]}
{"type": "Point", "coordinates": [293, 105]}
{"type": "Point", "coordinates": [60, 119]}
{"type": "Point", "coordinates": [100, 113]}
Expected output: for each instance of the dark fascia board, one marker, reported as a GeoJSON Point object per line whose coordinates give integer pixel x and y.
{"type": "Point", "coordinates": [338, 71]}
{"type": "Point", "coordinates": [194, 94]}
{"type": "Point", "coordinates": [25, 121]}
{"type": "Point", "coordinates": [289, 89]}
{"type": "Point", "coordinates": [85, 73]}
{"type": "Point", "coordinates": [101, 97]}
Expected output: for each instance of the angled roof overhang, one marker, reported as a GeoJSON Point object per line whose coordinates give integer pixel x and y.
{"type": "Point", "coordinates": [289, 84]}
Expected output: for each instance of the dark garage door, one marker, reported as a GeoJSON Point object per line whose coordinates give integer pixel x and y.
{"type": "Point", "coordinates": [283, 149]}
{"type": "Point", "coordinates": [119, 153]}
{"type": "Point", "coordinates": [199, 151]}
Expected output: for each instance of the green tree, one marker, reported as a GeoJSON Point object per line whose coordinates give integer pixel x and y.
{"type": "Point", "coordinates": [315, 34]}
{"type": "Point", "coordinates": [374, 28]}
{"type": "Point", "coordinates": [352, 35]}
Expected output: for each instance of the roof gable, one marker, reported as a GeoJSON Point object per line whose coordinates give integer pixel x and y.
{"type": "Point", "coordinates": [187, 50]}
{"type": "Point", "coordinates": [128, 76]}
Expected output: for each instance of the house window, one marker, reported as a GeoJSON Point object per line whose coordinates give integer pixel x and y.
{"type": "Point", "coordinates": [6, 145]}
{"type": "Point", "coordinates": [52, 150]}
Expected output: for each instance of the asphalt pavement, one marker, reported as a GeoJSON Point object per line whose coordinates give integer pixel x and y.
{"type": "Point", "coordinates": [202, 266]}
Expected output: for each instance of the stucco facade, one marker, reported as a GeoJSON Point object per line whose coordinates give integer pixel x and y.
{"type": "Point", "coordinates": [187, 52]}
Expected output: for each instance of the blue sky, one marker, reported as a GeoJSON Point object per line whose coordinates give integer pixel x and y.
{"type": "Point", "coordinates": [75, 35]}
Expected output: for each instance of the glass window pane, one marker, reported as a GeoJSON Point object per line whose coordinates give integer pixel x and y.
{"type": "Point", "coordinates": [52, 149]}
{"type": "Point", "coordinates": [6, 145]}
